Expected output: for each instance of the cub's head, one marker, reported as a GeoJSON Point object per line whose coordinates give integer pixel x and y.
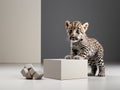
{"type": "Point", "coordinates": [76, 30]}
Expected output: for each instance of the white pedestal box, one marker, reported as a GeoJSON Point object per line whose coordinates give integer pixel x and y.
{"type": "Point", "coordinates": [65, 69]}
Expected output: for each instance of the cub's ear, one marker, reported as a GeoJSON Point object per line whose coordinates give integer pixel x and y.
{"type": "Point", "coordinates": [67, 24]}
{"type": "Point", "coordinates": [85, 26]}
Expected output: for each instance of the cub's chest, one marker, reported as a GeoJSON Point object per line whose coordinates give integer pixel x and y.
{"type": "Point", "coordinates": [77, 48]}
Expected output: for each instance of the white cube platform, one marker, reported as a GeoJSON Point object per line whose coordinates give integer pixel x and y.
{"type": "Point", "coordinates": [65, 69]}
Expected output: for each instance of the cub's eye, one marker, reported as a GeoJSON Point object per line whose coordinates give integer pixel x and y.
{"type": "Point", "coordinates": [70, 31]}
{"type": "Point", "coordinates": [78, 31]}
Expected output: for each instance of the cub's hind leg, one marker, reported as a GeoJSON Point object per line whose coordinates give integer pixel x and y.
{"type": "Point", "coordinates": [101, 68]}
{"type": "Point", "coordinates": [100, 63]}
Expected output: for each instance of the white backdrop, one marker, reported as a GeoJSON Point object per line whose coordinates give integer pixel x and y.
{"type": "Point", "coordinates": [20, 31]}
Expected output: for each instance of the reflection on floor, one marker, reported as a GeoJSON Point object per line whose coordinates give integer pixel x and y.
{"type": "Point", "coordinates": [11, 79]}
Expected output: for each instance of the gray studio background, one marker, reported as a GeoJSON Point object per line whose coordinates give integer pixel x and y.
{"type": "Point", "coordinates": [102, 15]}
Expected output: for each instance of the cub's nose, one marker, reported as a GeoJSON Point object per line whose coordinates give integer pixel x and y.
{"type": "Point", "coordinates": [72, 38]}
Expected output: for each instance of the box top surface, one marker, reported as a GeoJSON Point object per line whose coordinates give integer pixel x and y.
{"type": "Point", "coordinates": [65, 59]}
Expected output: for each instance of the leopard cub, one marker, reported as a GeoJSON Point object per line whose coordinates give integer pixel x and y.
{"type": "Point", "coordinates": [85, 47]}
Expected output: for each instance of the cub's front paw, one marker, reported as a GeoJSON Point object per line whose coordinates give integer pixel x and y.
{"type": "Point", "coordinates": [68, 57]}
{"type": "Point", "coordinates": [76, 57]}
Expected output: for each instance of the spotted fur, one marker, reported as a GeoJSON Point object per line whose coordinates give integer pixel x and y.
{"type": "Point", "coordinates": [85, 47]}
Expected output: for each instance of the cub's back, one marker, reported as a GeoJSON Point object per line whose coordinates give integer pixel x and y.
{"type": "Point", "coordinates": [94, 44]}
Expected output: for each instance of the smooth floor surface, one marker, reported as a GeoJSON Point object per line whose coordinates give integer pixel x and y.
{"type": "Point", "coordinates": [11, 79]}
